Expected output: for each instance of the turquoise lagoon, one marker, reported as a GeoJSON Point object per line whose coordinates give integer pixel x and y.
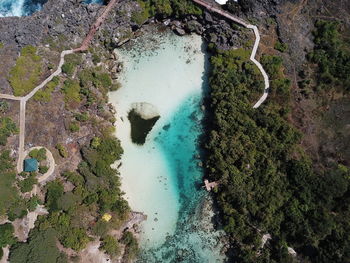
{"type": "Point", "coordinates": [163, 177]}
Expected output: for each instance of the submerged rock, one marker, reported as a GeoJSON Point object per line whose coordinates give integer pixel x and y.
{"type": "Point", "coordinates": [142, 118]}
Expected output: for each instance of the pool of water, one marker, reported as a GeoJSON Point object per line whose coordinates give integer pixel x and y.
{"type": "Point", "coordinates": [163, 177]}
{"type": "Point", "coordinates": [20, 7]}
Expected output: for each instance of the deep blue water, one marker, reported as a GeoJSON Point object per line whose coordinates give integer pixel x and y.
{"type": "Point", "coordinates": [20, 7]}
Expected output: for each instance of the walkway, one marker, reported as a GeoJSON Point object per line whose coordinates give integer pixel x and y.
{"type": "Point", "coordinates": [23, 100]}
{"type": "Point", "coordinates": [231, 17]}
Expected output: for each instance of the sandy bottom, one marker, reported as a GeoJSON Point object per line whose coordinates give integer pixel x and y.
{"type": "Point", "coordinates": [162, 178]}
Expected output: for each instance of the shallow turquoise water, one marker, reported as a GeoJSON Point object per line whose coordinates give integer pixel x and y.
{"type": "Point", "coordinates": [179, 142]}
{"type": "Point", "coordinates": [162, 178]}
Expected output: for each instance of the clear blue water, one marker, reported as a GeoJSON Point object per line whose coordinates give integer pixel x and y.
{"type": "Point", "coordinates": [163, 178]}
{"type": "Point", "coordinates": [20, 7]}
{"type": "Point", "coordinates": [179, 141]}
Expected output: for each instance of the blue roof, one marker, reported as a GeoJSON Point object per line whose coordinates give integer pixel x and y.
{"type": "Point", "coordinates": [30, 165]}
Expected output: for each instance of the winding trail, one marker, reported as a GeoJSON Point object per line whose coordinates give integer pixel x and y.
{"type": "Point", "coordinates": [237, 20]}
{"type": "Point", "coordinates": [23, 100]}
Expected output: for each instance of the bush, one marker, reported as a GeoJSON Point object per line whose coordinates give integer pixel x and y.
{"type": "Point", "coordinates": [62, 150]}
{"type": "Point", "coordinates": [131, 244]}
{"type": "Point", "coordinates": [68, 68]}
{"type": "Point", "coordinates": [74, 127]}
{"type": "Point", "coordinates": [282, 47]}
{"type": "Point", "coordinates": [6, 235]}
{"type": "Point", "coordinates": [43, 169]}
{"type": "Point", "coordinates": [111, 246]}
{"type": "Point", "coordinates": [71, 90]}
{"type": "Point", "coordinates": [39, 154]}
{"type": "Point", "coordinates": [7, 128]}
{"type": "Point", "coordinates": [27, 184]}
{"type": "Point", "coordinates": [82, 117]}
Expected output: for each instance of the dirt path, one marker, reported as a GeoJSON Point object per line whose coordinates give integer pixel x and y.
{"type": "Point", "coordinates": [231, 17]}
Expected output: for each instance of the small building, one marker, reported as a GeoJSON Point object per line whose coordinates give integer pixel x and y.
{"type": "Point", "coordinates": [30, 165]}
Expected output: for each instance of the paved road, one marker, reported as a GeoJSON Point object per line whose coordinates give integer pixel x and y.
{"type": "Point", "coordinates": [219, 11]}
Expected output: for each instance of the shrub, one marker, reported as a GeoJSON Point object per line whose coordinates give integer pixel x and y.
{"type": "Point", "coordinates": [7, 128]}
{"type": "Point", "coordinates": [6, 235]}
{"type": "Point", "coordinates": [43, 169]}
{"type": "Point", "coordinates": [281, 46]}
{"type": "Point", "coordinates": [62, 150]}
{"type": "Point", "coordinates": [74, 127]}
{"type": "Point", "coordinates": [111, 246]}
{"type": "Point", "coordinates": [68, 68]}
{"type": "Point", "coordinates": [71, 90]}
{"type": "Point", "coordinates": [82, 116]}
{"type": "Point", "coordinates": [39, 154]}
{"type": "Point", "coordinates": [27, 184]}
{"type": "Point", "coordinates": [25, 75]}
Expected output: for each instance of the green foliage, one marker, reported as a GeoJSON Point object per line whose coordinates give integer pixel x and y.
{"type": "Point", "coordinates": [74, 127]}
{"type": "Point", "coordinates": [82, 117]}
{"type": "Point", "coordinates": [68, 68]}
{"type": "Point", "coordinates": [7, 128]}
{"type": "Point", "coordinates": [265, 183]}
{"type": "Point", "coordinates": [33, 202]}
{"type": "Point", "coordinates": [6, 235]}
{"type": "Point", "coordinates": [111, 246]}
{"type": "Point", "coordinates": [71, 90]}
{"type": "Point", "coordinates": [39, 154]}
{"type": "Point", "coordinates": [164, 8]}
{"type": "Point", "coordinates": [132, 248]}
{"type": "Point", "coordinates": [43, 169]}
{"type": "Point", "coordinates": [44, 95]}
{"type": "Point", "coordinates": [282, 47]}
{"type": "Point", "coordinates": [9, 198]}
{"type": "Point", "coordinates": [1, 45]}
{"type": "Point", "coordinates": [27, 184]}
{"type": "Point", "coordinates": [4, 106]}
{"type": "Point", "coordinates": [75, 238]}
{"type": "Point", "coordinates": [41, 248]}
{"type": "Point", "coordinates": [95, 142]}
{"type": "Point", "coordinates": [62, 150]}
{"type": "Point", "coordinates": [331, 54]}
{"type": "Point", "coordinates": [25, 75]}
{"type": "Point", "coordinates": [54, 193]}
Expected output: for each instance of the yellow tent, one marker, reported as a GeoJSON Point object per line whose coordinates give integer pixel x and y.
{"type": "Point", "coordinates": [106, 217]}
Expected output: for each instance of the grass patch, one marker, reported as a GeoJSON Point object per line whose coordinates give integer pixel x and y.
{"type": "Point", "coordinates": [25, 75]}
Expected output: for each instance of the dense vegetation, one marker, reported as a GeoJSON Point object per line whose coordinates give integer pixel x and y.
{"type": "Point", "coordinates": [25, 75]}
{"type": "Point", "coordinates": [332, 55]}
{"type": "Point", "coordinates": [76, 214]}
{"type": "Point", "coordinates": [267, 183]}
{"type": "Point", "coordinates": [164, 8]}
